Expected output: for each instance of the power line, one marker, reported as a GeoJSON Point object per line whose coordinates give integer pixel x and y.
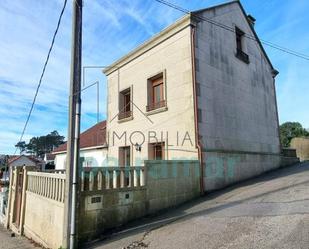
{"type": "Point", "coordinates": [43, 72]}
{"type": "Point", "coordinates": [231, 29]}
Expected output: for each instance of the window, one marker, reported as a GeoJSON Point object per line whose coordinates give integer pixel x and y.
{"type": "Point", "coordinates": [125, 104]}
{"type": "Point", "coordinates": [156, 151]}
{"type": "Point", "coordinates": [239, 37]}
{"type": "Point", "coordinates": [198, 89]}
{"type": "Point", "coordinates": [156, 92]}
{"type": "Point", "coordinates": [240, 54]}
{"type": "Point", "coordinates": [199, 115]}
{"type": "Point", "coordinates": [124, 156]}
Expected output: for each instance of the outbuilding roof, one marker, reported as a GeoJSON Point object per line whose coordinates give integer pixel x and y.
{"type": "Point", "coordinates": [93, 137]}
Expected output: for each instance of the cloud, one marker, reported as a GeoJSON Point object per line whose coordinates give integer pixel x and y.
{"type": "Point", "coordinates": [110, 30]}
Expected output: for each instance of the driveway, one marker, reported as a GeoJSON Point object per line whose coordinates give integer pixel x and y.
{"type": "Point", "coordinates": [271, 211]}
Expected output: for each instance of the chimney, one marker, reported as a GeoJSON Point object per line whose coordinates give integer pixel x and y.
{"type": "Point", "coordinates": [251, 20]}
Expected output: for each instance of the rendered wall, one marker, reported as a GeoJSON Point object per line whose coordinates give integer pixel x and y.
{"type": "Point", "coordinates": [97, 156]}
{"type": "Point", "coordinates": [172, 56]}
{"type": "Point", "coordinates": [168, 183]}
{"type": "Point", "coordinates": [44, 220]}
{"type": "Point", "coordinates": [237, 101]}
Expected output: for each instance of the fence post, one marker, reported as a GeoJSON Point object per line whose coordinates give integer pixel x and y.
{"type": "Point", "coordinates": [23, 200]}
{"type": "Point", "coordinates": [9, 207]}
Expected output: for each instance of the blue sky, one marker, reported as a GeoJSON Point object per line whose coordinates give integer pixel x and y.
{"type": "Point", "coordinates": [111, 29]}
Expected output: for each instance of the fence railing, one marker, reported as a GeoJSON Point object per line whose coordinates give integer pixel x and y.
{"type": "Point", "coordinates": [49, 185]}
{"type": "Point", "coordinates": [107, 178]}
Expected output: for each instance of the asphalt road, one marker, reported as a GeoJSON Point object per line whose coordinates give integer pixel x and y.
{"type": "Point", "coordinates": [271, 211]}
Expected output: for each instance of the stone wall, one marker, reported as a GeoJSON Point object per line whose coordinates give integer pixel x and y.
{"type": "Point", "coordinates": [301, 145]}
{"type": "Point", "coordinates": [168, 183]}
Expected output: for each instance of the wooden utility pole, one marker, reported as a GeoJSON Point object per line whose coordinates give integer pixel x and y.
{"type": "Point", "coordinates": [72, 164]}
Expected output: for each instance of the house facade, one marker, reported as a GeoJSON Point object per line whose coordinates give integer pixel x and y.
{"type": "Point", "coordinates": [203, 88]}
{"type": "Point", "coordinates": [93, 148]}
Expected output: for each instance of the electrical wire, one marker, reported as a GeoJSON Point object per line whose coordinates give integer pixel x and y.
{"type": "Point", "coordinates": [43, 72]}
{"type": "Point", "coordinates": [231, 29]}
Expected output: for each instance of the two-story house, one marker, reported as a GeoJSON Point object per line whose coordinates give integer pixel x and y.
{"type": "Point", "coordinates": [203, 88]}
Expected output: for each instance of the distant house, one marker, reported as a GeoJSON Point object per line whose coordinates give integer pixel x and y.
{"type": "Point", "coordinates": [49, 160]}
{"type": "Point", "coordinates": [24, 160]}
{"type": "Point", "coordinates": [93, 148]}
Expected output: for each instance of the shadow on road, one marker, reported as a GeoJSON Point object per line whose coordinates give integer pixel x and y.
{"type": "Point", "coordinates": [149, 223]}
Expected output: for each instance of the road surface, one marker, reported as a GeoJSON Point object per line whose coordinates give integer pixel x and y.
{"type": "Point", "coordinates": [271, 211]}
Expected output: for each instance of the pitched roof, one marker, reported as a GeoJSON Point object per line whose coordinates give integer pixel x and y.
{"type": "Point", "coordinates": [182, 21]}
{"type": "Point", "coordinates": [93, 137]}
{"type": "Point", "coordinates": [15, 158]}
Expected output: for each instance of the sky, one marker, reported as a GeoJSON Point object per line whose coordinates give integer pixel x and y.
{"type": "Point", "coordinates": [110, 30]}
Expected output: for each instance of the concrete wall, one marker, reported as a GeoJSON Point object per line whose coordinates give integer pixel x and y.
{"type": "Point", "coordinates": [41, 206]}
{"type": "Point", "coordinates": [96, 156]}
{"type": "Point", "coordinates": [168, 183]}
{"type": "Point", "coordinates": [170, 52]}
{"type": "Point", "coordinates": [44, 220]}
{"type": "Point", "coordinates": [116, 208]}
{"type": "Point", "coordinates": [302, 147]}
{"type": "Point", "coordinates": [237, 100]}
{"type": "Point", "coordinates": [223, 169]}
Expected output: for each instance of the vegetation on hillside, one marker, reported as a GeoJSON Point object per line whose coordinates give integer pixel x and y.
{"type": "Point", "coordinates": [290, 130]}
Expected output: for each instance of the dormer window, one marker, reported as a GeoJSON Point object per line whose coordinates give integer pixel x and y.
{"type": "Point", "coordinates": [240, 54]}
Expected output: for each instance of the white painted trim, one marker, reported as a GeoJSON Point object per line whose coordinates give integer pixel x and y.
{"type": "Point", "coordinates": [82, 149]}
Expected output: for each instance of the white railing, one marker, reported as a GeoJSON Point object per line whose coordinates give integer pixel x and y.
{"type": "Point", "coordinates": [49, 185]}
{"type": "Point", "coordinates": [106, 178]}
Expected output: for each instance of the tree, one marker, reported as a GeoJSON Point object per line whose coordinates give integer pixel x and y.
{"type": "Point", "coordinates": [290, 130]}
{"type": "Point", "coordinates": [38, 146]}
{"type": "Point", "coordinates": [21, 146]}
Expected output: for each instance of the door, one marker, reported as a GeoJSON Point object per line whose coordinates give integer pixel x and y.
{"type": "Point", "coordinates": [125, 161]}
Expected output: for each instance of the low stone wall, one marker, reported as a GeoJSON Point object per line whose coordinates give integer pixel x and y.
{"type": "Point", "coordinates": [166, 184]}
{"type": "Point", "coordinates": [289, 152]}
{"type": "Point", "coordinates": [301, 144]}
{"type": "Point", "coordinates": [100, 211]}
{"type": "Point", "coordinates": [288, 161]}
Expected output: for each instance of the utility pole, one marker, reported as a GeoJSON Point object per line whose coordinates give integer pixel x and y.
{"type": "Point", "coordinates": [72, 165]}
